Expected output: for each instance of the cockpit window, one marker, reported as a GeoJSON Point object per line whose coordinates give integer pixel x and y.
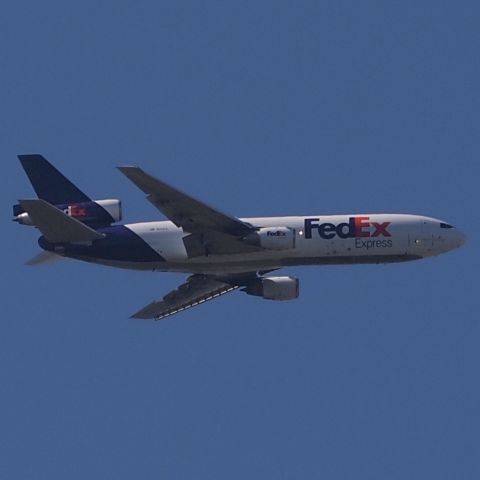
{"type": "Point", "coordinates": [445, 225]}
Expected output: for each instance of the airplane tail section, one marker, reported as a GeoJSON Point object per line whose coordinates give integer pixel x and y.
{"type": "Point", "coordinates": [49, 184]}
{"type": "Point", "coordinates": [55, 225]}
{"type": "Point", "coordinates": [54, 188]}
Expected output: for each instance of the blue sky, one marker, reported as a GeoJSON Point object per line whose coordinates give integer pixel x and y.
{"type": "Point", "coordinates": [259, 108]}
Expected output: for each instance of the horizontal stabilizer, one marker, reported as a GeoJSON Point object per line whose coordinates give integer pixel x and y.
{"type": "Point", "coordinates": [43, 258]}
{"type": "Point", "coordinates": [57, 226]}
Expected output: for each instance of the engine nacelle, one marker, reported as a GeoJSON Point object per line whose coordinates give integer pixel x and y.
{"type": "Point", "coordinates": [96, 212]}
{"type": "Point", "coordinates": [274, 288]}
{"type": "Point", "coordinates": [113, 206]}
{"type": "Point", "coordinates": [272, 238]}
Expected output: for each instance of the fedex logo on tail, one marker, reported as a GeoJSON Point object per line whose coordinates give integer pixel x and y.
{"type": "Point", "coordinates": [356, 227]}
{"type": "Point", "coordinates": [75, 211]}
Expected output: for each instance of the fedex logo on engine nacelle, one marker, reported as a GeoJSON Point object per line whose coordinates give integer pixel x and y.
{"type": "Point", "coordinates": [356, 227]}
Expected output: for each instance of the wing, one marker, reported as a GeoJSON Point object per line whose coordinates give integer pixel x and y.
{"type": "Point", "coordinates": [184, 211]}
{"type": "Point", "coordinates": [196, 290]}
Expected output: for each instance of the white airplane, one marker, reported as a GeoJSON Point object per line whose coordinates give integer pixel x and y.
{"type": "Point", "coordinates": [223, 253]}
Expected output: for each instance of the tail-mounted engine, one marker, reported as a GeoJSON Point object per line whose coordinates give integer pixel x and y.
{"type": "Point", "coordinates": [274, 288]}
{"type": "Point", "coordinates": [96, 213]}
{"type": "Point", "coordinates": [272, 238]}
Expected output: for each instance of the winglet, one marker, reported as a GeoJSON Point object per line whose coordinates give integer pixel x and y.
{"type": "Point", "coordinates": [57, 226]}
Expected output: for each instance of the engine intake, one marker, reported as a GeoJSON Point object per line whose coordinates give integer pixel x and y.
{"type": "Point", "coordinates": [274, 288]}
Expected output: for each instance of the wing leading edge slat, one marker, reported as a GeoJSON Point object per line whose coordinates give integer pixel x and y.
{"type": "Point", "coordinates": [196, 290]}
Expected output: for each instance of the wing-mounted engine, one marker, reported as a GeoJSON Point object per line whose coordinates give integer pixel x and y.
{"type": "Point", "coordinates": [272, 238]}
{"type": "Point", "coordinates": [274, 288]}
{"type": "Point", "coordinates": [95, 212]}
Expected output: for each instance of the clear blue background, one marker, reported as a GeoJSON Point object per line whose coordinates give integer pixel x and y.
{"type": "Point", "coordinates": [260, 108]}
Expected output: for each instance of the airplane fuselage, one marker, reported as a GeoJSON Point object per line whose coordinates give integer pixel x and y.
{"type": "Point", "coordinates": [313, 240]}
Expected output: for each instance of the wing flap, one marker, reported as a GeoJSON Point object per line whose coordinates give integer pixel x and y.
{"type": "Point", "coordinates": [182, 209]}
{"type": "Point", "coordinates": [196, 290]}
